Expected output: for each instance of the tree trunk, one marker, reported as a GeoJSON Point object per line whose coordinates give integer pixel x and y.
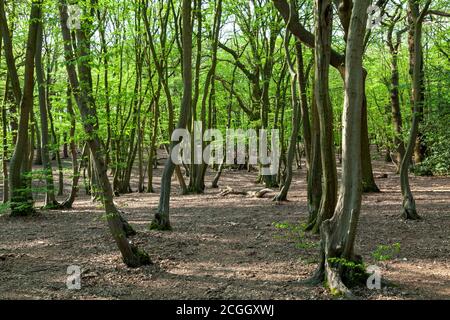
{"type": "Point", "coordinates": [131, 255]}
{"type": "Point", "coordinates": [153, 152]}
{"type": "Point", "coordinates": [409, 204]}
{"type": "Point", "coordinates": [38, 160]}
{"type": "Point", "coordinates": [324, 17]}
{"type": "Point", "coordinates": [76, 168]}
{"type": "Point", "coordinates": [50, 200]}
{"type": "Point", "coordinates": [282, 195]}
{"type": "Point", "coordinates": [21, 196]}
{"type": "Point", "coordinates": [315, 171]}
{"type": "Point", "coordinates": [397, 122]}
{"type": "Point", "coordinates": [199, 181]}
{"type": "Point", "coordinates": [5, 146]}
{"type": "Point", "coordinates": [302, 78]}
{"type": "Point", "coordinates": [338, 233]}
{"type": "Point", "coordinates": [56, 152]}
{"type": "Point", "coordinates": [368, 181]}
{"type": "Point", "coordinates": [414, 59]}
{"type": "Point", "coordinates": [161, 220]}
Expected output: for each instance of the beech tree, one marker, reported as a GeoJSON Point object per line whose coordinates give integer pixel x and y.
{"type": "Point", "coordinates": [161, 220]}
{"type": "Point", "coordinates": [21, 197]}
{"type": "Point", "coordinates": [409, 204]}
{"type": "Point", "coordinates": [338, 233]}
{"type": "Point", "coordinates": [81, 85]}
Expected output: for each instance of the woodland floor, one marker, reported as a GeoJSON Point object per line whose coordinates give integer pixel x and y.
{"type": "Point", "coordinates": [224, 247]}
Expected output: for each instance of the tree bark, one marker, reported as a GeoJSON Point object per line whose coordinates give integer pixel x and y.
{"type": "Point", "coordinates": [131, 255]}
{"type": "Point", "coordinates": [76, 168]}
{"type": "Point", "coordinates": [5, 143]}
{"type": "Point", "coordinates": [50, 199]}
{"type": "Point", "coordinates": [161, 220]}
{"type": "Point", "coordinates": [21, 196]}
{"type": "Point", "coordinates": [315, 172]}
{"type": "Point", "coordinates": [397, 121]}
{"type": "Point", "coordinates": [338, 233]}
{"type": "Point", "coordinates": [368, 181]}
{"type": "Point", "coordinates": [416, 58]}
{"type": "Point", "coordinates": [282, 195]}
{"type": "Point", "coordinates": [323, 29]}
{"type": "Point", "coordinates": [409, 204]}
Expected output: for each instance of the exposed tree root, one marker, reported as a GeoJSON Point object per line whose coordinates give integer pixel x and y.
{"type": "Point", "coordinates": [251, 194]}
{"type": "Point", "coordinates": [334, 268]}
{"type": "Point", "coordinates": [335, 283]}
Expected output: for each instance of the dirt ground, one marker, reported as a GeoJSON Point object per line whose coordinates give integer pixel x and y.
{"type": "Point", "coordinates": [224, 247]}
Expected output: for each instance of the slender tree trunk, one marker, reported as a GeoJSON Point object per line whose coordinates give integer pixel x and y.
{"type": "Point", "coordinates": [153, 152]}
{"type": "Point", "coordinates": [315, 172]}
{"type": "Point", "coordinates": [65, 146]}
{"type": "Point", "coordinates": [199, 182]}
{"type": "Point", "coordinates": [5, 143]}
{"type": "Point", "coordinates": [395, 99]}
{"type": "Point", "coordinates": [76, 168]}
{"type": "Point", "coordinates": [409, 204]}
{"type": "Point", "coordinates": [420, 147]}
{"type": "Point", "coordinates": [132, 255]}
{"type": "Point", "coordinates": [368, 181]}
{"type": "Point", "coordinates": [302, 84]}
{"type": "Point", "coordinates": [38, 160]}
{"type": "Point", "coordinates": [282, 195]}
{"type": "Point", "coordinates": [56, 143]}
{"type": "Point", "coordinates": [324, 17]}
{"type": "Point", "coordinates": [161, 220]}
{"type": "Point", "coordinates": [196, 186]}
{"type": "Point", "coordinates": [50, 200]}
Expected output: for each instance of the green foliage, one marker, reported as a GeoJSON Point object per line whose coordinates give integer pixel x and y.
{"type": "Point", "coordinates": [386, 252]}
{"type": "Point", "coordinates": [437, 139]}
{"type": "Point", "coordinates": [353, 273]}
{"type": "Point", "coordinates": [294, 232]}
{"type": "Point", "coordinates": [4, 207]}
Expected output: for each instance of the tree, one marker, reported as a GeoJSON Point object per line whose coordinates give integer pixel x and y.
{"type": "Point", "coordinates": [338, 61]}
{"type": "Point", "coordinates": [282, 195]}
{"type": "Point", "coordinates": [409, 204]}
{"type": "Point", "coordinates": [50, 200]}
{"type": "Point", "coordinates": [338, 233]}
{"type": "Point", "coordinates": [161, 220]}
{"type": "Point", "coordinates": [323, 29]}
{"type": "Point", "coordinates": [21, 197]}
{"type": "Point", "coordinates": [397, 122]}
{"type": "Point", "coordinates": [82, 90]}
